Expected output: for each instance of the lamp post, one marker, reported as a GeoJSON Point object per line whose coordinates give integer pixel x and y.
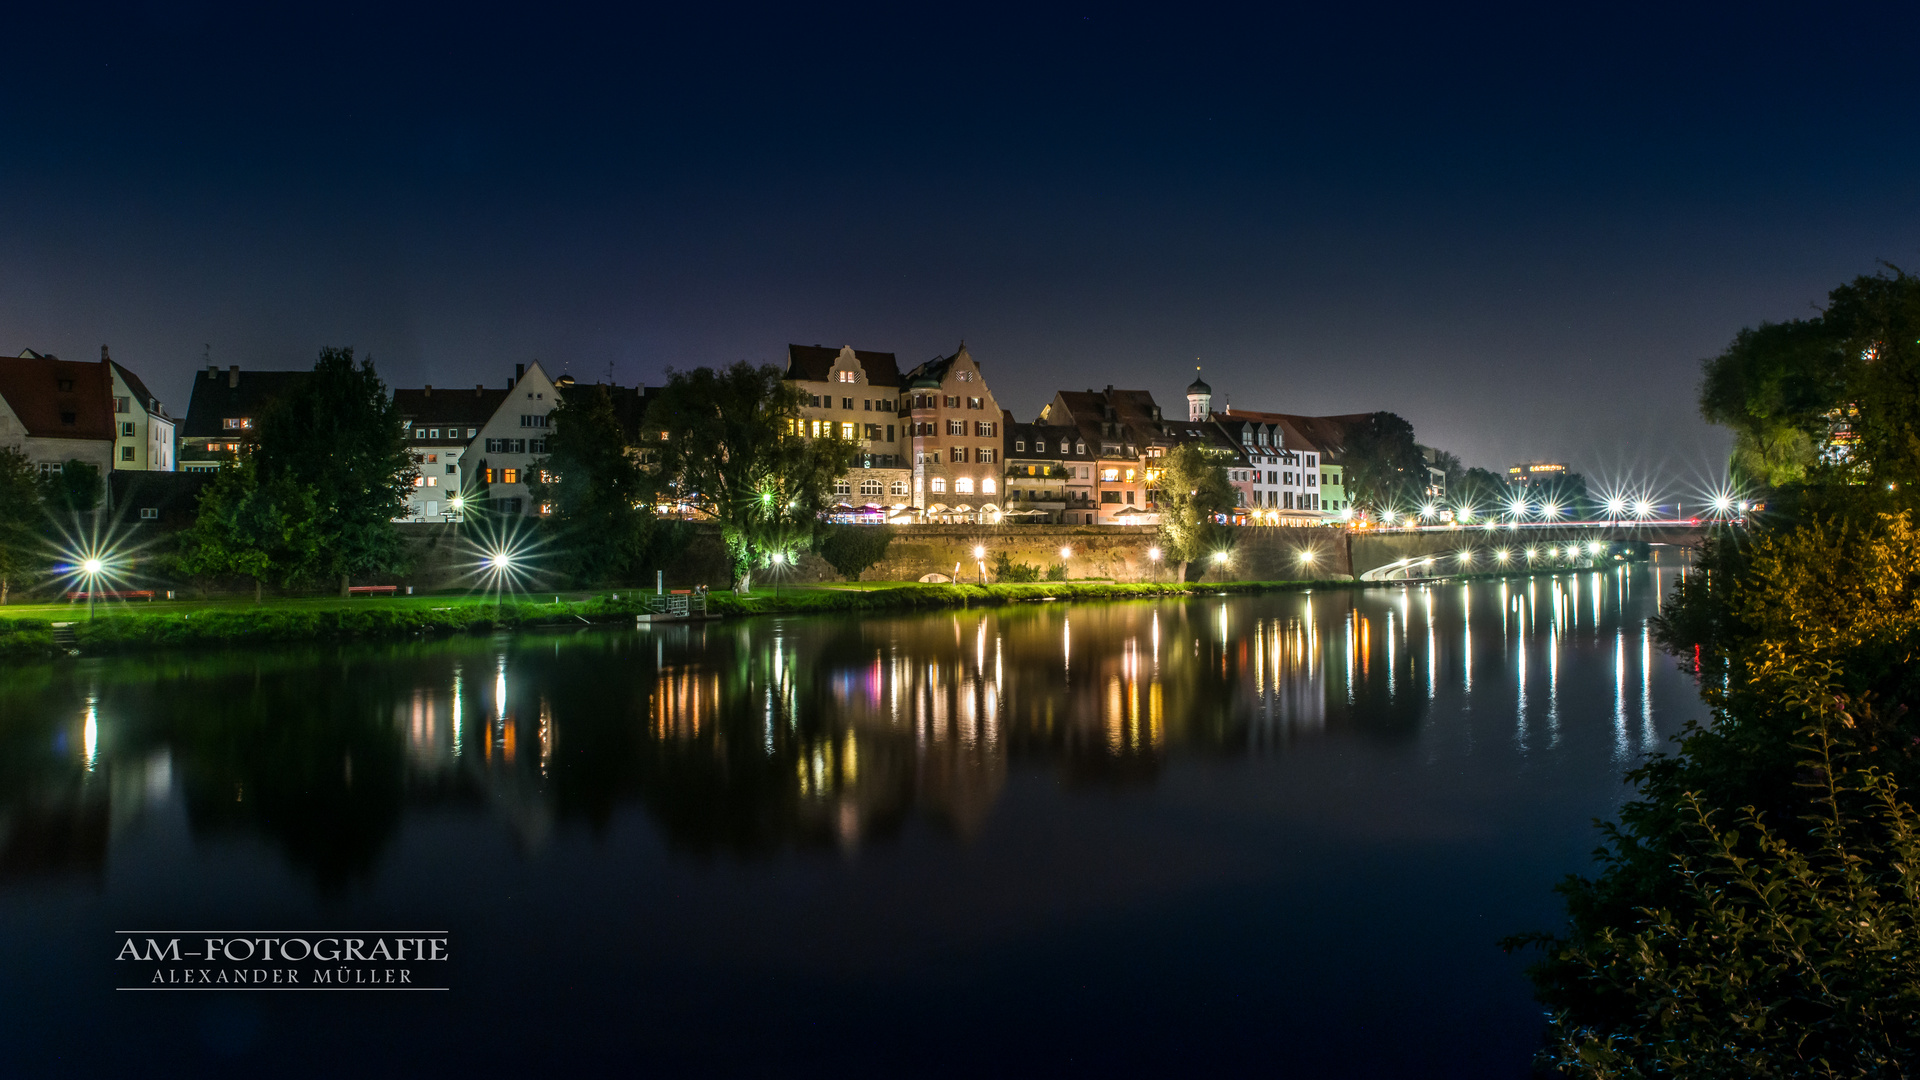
{"type": "Point", "coordinates": [980, 560]}
{"type": "Point", "coordinates": [91, 568]}
{"type": "Point", "coordinates": [778, 559]}
{"type": "Point", "coordinates": [1153, 557]}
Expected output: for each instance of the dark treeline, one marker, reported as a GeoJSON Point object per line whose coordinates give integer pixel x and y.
{"type": "Point", "coordinates": [1757, 902]}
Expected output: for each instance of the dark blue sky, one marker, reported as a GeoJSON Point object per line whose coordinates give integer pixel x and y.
{"type": "Point", "coordinates": [1520, 228]}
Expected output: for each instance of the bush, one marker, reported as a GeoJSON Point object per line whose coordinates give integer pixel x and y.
{"type": "Point", "coordinates": [852, 549]}
{"type": "Point", "coordinates": [1005, 569]}
{"type": "Point", "coordinates": [1057, 572]}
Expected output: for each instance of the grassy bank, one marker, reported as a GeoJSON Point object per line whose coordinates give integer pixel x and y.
{"type": "Point", "coordinates": [130, 627]}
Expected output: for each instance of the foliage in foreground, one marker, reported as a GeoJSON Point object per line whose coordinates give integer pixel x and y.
{"type": "Point", "coordinates": [1759, 898]}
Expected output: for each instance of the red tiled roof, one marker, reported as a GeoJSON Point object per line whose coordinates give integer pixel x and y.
{"type": "Point", "coordinates": [32, 387]}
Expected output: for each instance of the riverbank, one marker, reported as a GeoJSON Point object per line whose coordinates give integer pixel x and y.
{"type": "Point", "coordinates": [129, 627]}
{"type": "Point", "coordinates": [123, 628]}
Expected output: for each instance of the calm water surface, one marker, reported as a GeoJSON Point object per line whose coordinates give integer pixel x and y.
{"type": "Point", "coordinates": [1274, 833]}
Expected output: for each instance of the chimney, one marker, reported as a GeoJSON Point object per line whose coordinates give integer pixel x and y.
{"type": "Point", "coordinates": [429, 391]}
{"type": "Point", "coordinates": [233, 375]}
{"type": "Point", "coordinates": [477, 388]}
{"type": "Point", "coordinates": [103, 354]}
{"type": "Point", "coordinates": [213, 371]}
{"type": "Point", "coordinates": [519, 372]}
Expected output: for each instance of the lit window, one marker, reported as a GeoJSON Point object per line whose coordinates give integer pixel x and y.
{"type": "Point", "coordinates": [846, 431]}
{"type": "Point", "coordinates": [966, 376]}
{"type": "Point", "coordinates": [1110, 474]}
{"type": "Point", "coordinates": [898, 487]}
{"type": "Point", "coordinates": [939, 485]}
{"type": "Point", "coordinates": [987, 485]}
{"type": "Point", "coordinates": [509, 476]}
{"type": "Point", "coordinates": [419, 482]}
{"type": "Point", "coordinates": [433, 481]}
{"type": "Point", "coordinates": [1020, 446]}
{"type": "Point", "coordinates": [963, 485]}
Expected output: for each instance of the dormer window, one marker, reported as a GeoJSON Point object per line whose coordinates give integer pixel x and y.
{"type": "Point", "coordinates": [846, 376]}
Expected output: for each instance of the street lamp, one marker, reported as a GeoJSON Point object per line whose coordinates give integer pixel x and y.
{"type": "Point", "coordinates": [980, 560]}
{"type": "Point", "coordinates": [1153, 556]}
{"type": "Point", "coordinates": [91, 568]}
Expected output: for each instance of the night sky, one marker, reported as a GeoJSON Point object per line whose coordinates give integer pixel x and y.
{"type": "Point", "coordinates": [1519, 229]}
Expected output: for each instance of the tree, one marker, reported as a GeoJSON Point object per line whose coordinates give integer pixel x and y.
{"type": "Point", "coordinates": [1774, 386]}
{"type": "Point", "coordinates": [1384, 467]}
{"type": "Point", "coordinates": [1876, 322]}
{"type": "Point", "coordinates": [74, 488]}
{"type": "Point", "coordinates": [338, 435]}
{"type": "Point", "coordinates": [267, 532]}
{"type": "Point", "coordinates": [22, 542]}
{"type": "Point", "coordinates": [1193, 487]}
{"type": "Point", "coordinates": [1449, 465]}
{"type": "Point", "coordinates": [851, 549]}
{"type": "Point", "coordinates": [1480, 490]}
{"type": "Point", "coordinates": [600, 495]}
{"type": "Point", "coordinates": [1835, 397]}
{"type": "Point", "coordinates": [733, 451]}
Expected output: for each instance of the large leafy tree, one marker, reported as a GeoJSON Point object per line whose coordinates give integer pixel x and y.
{"type": "Point", "coordinates": [22, 520]}
{"type": "Point", "coordinates": [1384, 466]}
{"type": "Point", "coordinates": [74, 488]}
{"type": "Point", "coordinates": [1193, 487]}
{"type": "Point", "coordinates": [339, 435]}
{"type": "Point", "coordinates": [600, 494]}
{"type": "Point", "coordinates": [1788, 389]}
{"type": "Point", "coordinates": [1774, 386]}
{"type": "Point", "coordinates": [733, 451]}
{"type": "Point", "coordinates": [267, 532]}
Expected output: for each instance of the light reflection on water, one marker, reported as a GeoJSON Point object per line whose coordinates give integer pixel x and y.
{"type": "Point", "coordinates": [849, 737]}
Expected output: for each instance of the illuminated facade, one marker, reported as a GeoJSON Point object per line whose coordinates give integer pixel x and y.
{"type": "Point", "coordinates": [954, 425]}
{"type": "Point", "coordinates": [1532, 473]}
{"type": "Point", "coordinates": [855, 395]}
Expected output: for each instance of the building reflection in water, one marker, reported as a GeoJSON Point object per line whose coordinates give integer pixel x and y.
{"type": "Point", "coordinates": [832, 732]}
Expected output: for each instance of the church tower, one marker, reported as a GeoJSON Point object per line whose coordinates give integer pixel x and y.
{"type": "Point", "coordinates": [1199, 397]}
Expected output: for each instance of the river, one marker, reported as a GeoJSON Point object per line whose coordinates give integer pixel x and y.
{"type": "Point", "coordinates": [1277, 833]}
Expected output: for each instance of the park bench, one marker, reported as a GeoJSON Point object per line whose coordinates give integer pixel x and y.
{"type": "Point", "coordinates": [111, 594]}
{"type": "Point", "coordinates": [353, 589]}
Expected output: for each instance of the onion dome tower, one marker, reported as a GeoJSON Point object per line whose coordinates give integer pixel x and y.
{"type": "Point", "coordinates": [1199, 397]}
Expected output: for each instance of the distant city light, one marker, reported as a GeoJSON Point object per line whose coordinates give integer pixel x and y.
{"type": "Point", "coordinates": [1386, 516]}
{"type": "Point", "coordinates": [1466, 556]}
{"type": "Point", "coordinates": [1642, 509]}
{"type": "Point", "coordinates": [1429, 510]}
{"type": "Point", "coordinates": [1616, 507]}
{"type": "Point", "coordinates": [1518, 508]}
{"type": "Point", "coordinates": [1549, 510]}
{"type": "Point", "coordinates": [1501, 555]}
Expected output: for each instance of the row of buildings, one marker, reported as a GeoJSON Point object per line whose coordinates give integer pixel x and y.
{"type": "Point", "coordinates": [936, 446]}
